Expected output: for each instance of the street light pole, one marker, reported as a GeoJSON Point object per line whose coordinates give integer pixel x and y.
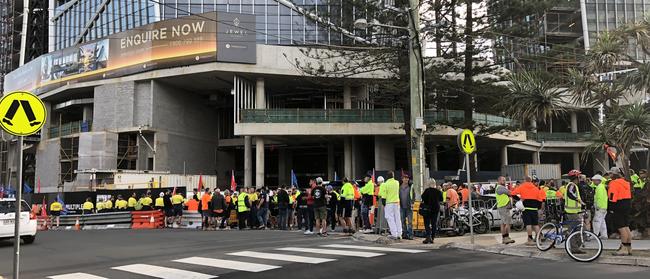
{"type": "Point", "coordinates": [417, 127]}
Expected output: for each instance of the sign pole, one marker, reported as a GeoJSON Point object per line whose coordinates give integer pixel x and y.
{"type": "Point", "coordinates": [19, 190]}
{"type": "Point", "coordinates": [471, 211]}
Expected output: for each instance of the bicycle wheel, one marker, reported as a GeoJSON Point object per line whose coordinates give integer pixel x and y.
{"type": "Point", "coordinates": [545, 239]}
{"type": "Point", "coordinates": [481, 224]}
{"type": "Point", "coordinates": [460, 227]}
{"type": "Point", "coordinates": [517, 222]}
{"type": "Point", "coordinates": [583, 246]}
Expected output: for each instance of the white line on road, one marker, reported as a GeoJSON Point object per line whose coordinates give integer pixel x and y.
{"type": "Point", "coordinates": [236, 265]}
{"type": "Point", "coordinates": [162, 272]}
{"type": "Point", "coordinates": [281, 257]}
{"type": "Point", "coordinates": [78, 275]}
{"type": "Point", "coordinates": [372, 248]}
{"type": "Point", "coordinates": [331, 252]}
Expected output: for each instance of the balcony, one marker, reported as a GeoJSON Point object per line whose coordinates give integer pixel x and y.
{"type": "Point", "coordinates": [70, 128]}
{"type": "Point", "coordinates": [568, 137]}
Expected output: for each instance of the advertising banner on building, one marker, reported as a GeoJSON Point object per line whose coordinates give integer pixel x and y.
{"type": "Point", "coordinates": [196, 39]}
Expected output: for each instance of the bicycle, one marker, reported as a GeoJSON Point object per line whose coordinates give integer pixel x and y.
{"type": "Point", "coordinates": [517, 220]}
{"type": "Point", "coordinates": [580, 244]}
{"type": "Point", "coordinates": [480, 221]}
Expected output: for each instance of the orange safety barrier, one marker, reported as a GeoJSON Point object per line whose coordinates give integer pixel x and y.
{"type": "Point", "coordinates": [147, 219]}
{"type": "Point", "coordinates": [43, 223]}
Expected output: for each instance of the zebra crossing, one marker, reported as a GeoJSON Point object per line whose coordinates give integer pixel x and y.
{"type": "Point", "coordinates": [210, 266]}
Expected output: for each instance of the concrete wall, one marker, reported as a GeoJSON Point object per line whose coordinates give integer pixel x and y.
{"type": "Point", "coordinates": [96, 150]}
{"type": "Point", "coordinates": [120, 106]}
{"type": "Point", "coordinates": [187, 128]}
{"type": "Point", "coordinates": [48, 168]}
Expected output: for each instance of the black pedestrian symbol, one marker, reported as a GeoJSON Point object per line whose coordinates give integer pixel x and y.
{"type": "Point", "coordinates": [13, 108]}
{"type": "Point", "coordinates": [467, 142]}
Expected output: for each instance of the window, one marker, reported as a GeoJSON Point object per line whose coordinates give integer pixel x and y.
{"type": "Point", "coordinates": [183, 8]}
{"type": "Point", "coordinates": [285, 25]}
{"type": "Point", "coordinates": [272, 24]}
{"type": "Point", "coordinates": [298, 28]}
{"type": "Point", "coordinates": [234, 6]}
{"type": "Point", "coordinates": [196, 7]}
{"type": "Point", "coordinates": [209, 5]}
{"type": "Point", "coordinates": [222, 5]}
{"type": "Point", "coordinates": [168, 9]}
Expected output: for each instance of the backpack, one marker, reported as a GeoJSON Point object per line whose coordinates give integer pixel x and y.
{"type": "Point", "coordinates": [586, 194]}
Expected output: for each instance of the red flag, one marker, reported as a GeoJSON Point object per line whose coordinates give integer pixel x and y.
{"type": "Point", "coordinates": [611, 151]}
{"type": "Point", "coordinates": [174, 191]}
{"type": "Point", "coordinates": [200, 183]}
{"type": "Point", "coordinates": [373, 177]}
{"type": "Point", "coordinates": [233, 183]}
{"type": "Point", "coordinates": [43, 207]}
{"type": "Point", "coordinates": [39, 185]}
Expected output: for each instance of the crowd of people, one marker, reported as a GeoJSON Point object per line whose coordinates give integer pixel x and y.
{"type": "Point", "coordinates": [320, 208]}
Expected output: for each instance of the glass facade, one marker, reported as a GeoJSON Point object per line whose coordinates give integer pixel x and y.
{"type": "Point", "coordinates": [603, 15]}
{"type": "Point", "coordinates": [276, 23]}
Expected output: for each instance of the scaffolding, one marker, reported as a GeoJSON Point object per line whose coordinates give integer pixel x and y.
{"type": "Point", "coordinates": [127, 151]}
{"type": "Point", "coordinates": [69, 158]}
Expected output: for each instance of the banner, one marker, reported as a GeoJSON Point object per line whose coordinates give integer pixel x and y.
{"type": "Point", "coordinates": [164, 44]}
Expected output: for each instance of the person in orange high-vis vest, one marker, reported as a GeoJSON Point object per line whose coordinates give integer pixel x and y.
{"type": "Point", "coordinates": [192, 205]}
{"type": "Point", "coordinates": [619, 194]}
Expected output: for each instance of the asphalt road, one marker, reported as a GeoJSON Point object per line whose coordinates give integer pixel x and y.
{"type": "Point", "coordinates": [128, 253]}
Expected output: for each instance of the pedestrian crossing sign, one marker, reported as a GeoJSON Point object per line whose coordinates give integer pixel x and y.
{"type": "Point", "coordinates": [467, 142]}
{"type": "Point", "coordinates": [23, 113]}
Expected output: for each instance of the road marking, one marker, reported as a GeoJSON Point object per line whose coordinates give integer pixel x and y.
{"type": "Point", "coordinates": [77, 275]}
{"type": "Point", "coordinates": [162, 272]}
{"type": "Point", "coordinates": [372, 248]}
{"type": "Point", "coordinates": [331, 252]}
{"type": "Point", "coordinates": [236, 265]}
{"type": "Point", "coordinates": [281, 257]}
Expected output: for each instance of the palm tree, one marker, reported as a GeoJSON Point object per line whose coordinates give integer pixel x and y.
{"type": "Point", "coordinates": [531, 96]}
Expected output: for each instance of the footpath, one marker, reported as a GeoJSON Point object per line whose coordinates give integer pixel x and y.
{"type": "Point", "coordinates": [491, 243]}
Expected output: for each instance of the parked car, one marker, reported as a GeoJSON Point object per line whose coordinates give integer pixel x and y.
{"type": "Point", "coordinates": [28, 222]}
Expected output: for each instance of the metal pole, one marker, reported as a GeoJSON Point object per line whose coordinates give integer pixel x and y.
{"type": "Point", "coordinates": [471, 211]}
{"type": "Point", "coordinates": [19, 197]}
{"type": "Point", "coordinates": [415, 85]}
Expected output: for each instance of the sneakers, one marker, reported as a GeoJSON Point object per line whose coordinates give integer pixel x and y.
{"type": "Point", "coordinates": [508, 240]}
{"type": "Point", "coordinates": [308, 233]}
{"type": "Point", "coordinates": [366, 231]}
{"type": "Point", "coordinates": [427, 240]}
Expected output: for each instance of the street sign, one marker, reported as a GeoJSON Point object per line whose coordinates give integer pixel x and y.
{"type": "Point", "coordinates": [22, 113]}
{"type": "Point", "coordinates": [466, 142]}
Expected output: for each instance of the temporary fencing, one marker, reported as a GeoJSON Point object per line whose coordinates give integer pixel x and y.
{"type": "Point", "coordinates": [111, 220]}
{"type": "Point", "coordinates": [153, 219]}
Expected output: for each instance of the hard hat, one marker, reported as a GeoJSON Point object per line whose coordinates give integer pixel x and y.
{"type": "Point", "coordinates": [161, 194]}
{"type": "Point", "coordinates": [597, 177]}
{"type": "Point", "coordinates": [380, 179]}
{"type": "Point", "coordinates": [574, 173]}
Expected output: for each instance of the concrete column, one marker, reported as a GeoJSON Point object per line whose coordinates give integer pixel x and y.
{"type": "Point", "coordinates": [347, 157]}
{"type": "Point", "coordinates": [87, 113]}
{"type": "Point", "coordinates": [347, 97]}
{"type": "Point", "coordinates": [330, 161]}
{"type": "Point", "coordinates": [248, 161]}
{"type": "Point", "coordinates": [260, 94]}
{"type": "Point", "coordinates": [282, 167]}
{"type": "Point", "coordinates": [433, 157]}
{"type": "Point", "coordinates": [504, 156]}
{"type": "Point", "coordinates": [536, 159]}
{"type": "Point", "coordinates": [259, 162]}
{"type": "Point", "coordinates": [576, 160]}
{"type": "Point", "coordinates": [574, 122]}
{"type": "Point", "coordinates": [384, 153]}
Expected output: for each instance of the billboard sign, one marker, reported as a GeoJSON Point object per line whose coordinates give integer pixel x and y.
{"type": "Point", "coordinates": [163, 44]}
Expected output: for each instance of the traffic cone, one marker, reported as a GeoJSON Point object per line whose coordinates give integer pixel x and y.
{"type": "Point", "coordinates": [152, 221]}
{"type": "Point", "coordinates": [76, 225]}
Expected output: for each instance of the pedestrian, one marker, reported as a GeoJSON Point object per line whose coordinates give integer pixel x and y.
{"type": "Point", "coordinates": [99, 206]}
{"type": "Point", "coordinates": [600, 206]}
{"type": "Point", "coordinates": [452, 198]}
{"type": "Point", "coordinates": [430, 209]}
{"type": "Point", "coordinates": [243, 208]}
{"type": "Point", "coordinates": [217, 205]}
{"type": "Point", "coordinates": [121, 204]}
{"type": "Point", "coordinates": [160, 202]}
{"type": "Point", "coordinates": [532, 198]}
{"type": "Point", "coordinates": [333, 200]}
{"type": "Point", "coordinates": [227, 209]}
{"type": "Point", "coordinates": [301, 213]}
{"type": "Point", "coordinates": [263, 208]}
{"type": "Point", "coordinates": [88, 206]}
{"type": "Point", "coordinates": [320, 207]}
{"type": "Point", "coordinates": [464, 194]}
{"type": "Point", "coordinates": [252, 215]}
{"type": "Point", "coordinates": [620, 196]}
{"type": "Point", "coordinates": [311, 219]}
{"type": "Point", "coordinates": [504, 206]}
{"type": "Point", "coordinates": [168, 208]}
{"type": "Point", "coordinates": [293, 195]}
{"type": "Point", "coordinates": [147, 202]}
{"type": "Point", "coordinates": [206, 212]}
{"type": "Point", "coordinates": [573, 205]}
{"type": "Point", "coordinates": [367, 195]}
{"type": "Point", "coordinates": [55, 211]}
{"type": "Point", "coordinates": [390, 193]}
{"type": "Point", "coordinates": [108, 204]}
{"type": "Point", "coordinates": [177, 203]}
{"type": "Point", "coordinates": [132, 202]}
{"type": "Point", "coordinates": [283, 208]}
{"type": "Point", "coordinates": [406, 201]}
{"type": "Point", "coordinates": [347, 200]}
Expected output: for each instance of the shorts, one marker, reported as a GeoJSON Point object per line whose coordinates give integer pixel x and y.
{"type": "Point", "coordinates": [346, 208]}
{"type": "Point", "coordinates": [169, 212]}
{"type": "Point", "coordinates": [320, 213]}
{"type": "Point", "coordinates": [506, 216]}
{"type": "Point", "coordinates": [206, 213]}
{"type": "Point", "coordinates": [621, 214]}
{"type": "Point", "coordinates": [178, 209]}
{"type": "Point", "coordinates": [530, 217]}
{"type": "Point", "coordinates": [55, 213]}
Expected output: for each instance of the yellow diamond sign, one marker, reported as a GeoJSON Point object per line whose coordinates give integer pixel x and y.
{"type": "Point", "coordinates": [22, 113]}
{"type": "Point", "coordinates": [467, 142]}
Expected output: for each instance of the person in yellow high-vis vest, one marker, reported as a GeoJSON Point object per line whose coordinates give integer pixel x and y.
{"type": "Point", "coordinates": [243, 208]}
{"type": "Point", "coordinates": [573, 204]}
{"type": "Point", "coordinates": [504, 205]}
